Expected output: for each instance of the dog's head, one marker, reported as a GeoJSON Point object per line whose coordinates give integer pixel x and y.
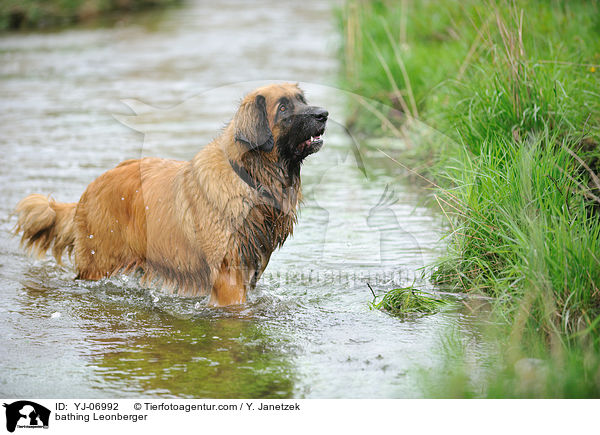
{"type": "Point", "coordinates": [276, 119]}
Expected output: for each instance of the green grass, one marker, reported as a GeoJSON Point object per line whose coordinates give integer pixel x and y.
{"type": "Point", "coordinates": [536, 370]}
{"type": "Point", "coordinates": [408, 301]}
{"type": "Point", "coordinates": [514, 90]}
{"type": "Point", "coordinates": [521, 227]}
{"type": "Point", "coordinates": [39, 14]}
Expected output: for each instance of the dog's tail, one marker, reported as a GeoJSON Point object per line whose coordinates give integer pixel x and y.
{"type": "Point", "coordinates": [46, 223]}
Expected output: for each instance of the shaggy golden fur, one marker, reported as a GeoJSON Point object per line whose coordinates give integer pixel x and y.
{"type": "Point", "coordinates": [208, 225]}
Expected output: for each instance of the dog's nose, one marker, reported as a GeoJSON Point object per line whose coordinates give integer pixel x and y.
{"type": "Point", "coordinates": [321, 114]}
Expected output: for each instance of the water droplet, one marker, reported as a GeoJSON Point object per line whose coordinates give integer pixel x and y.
{"type": "Point", "coordinates": [122, 198]}
{"type": "Point", "coordinates": [55, 315]}
{"type": "Point", "coordinates": [111, 231]}
{"type": "Point", "coordinates": [91, 236]}
{"type": "Point", "coordinates": [93, 252]}
{"type": "Point", "coordinates": [197, 306]}
{"type": "Point", "coordinates": [136, 191]}
{"type": "Point", "coordinates": [147, 208]}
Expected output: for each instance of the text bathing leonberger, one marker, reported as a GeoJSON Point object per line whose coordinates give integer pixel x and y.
{"type": "Point", "coordinates": [208, 225]}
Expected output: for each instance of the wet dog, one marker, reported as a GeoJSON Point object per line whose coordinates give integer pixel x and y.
{"type": "Point", "coordinates": [203, 226]}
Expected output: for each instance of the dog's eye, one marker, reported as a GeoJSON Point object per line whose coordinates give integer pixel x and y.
{"type": "Point", "coordinates": [282, 108]}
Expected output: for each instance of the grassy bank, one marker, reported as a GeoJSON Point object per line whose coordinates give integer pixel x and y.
{"type": "Point", "coordinates": [40, 14]}
{"type": "Point", "coordinates": [514, 89]}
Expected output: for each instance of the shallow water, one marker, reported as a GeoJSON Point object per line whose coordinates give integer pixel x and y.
{"type": "Point", "coordinates": [76, 102]}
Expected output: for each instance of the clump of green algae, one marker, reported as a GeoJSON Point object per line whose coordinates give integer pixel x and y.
{"type": "Point", "coordinates": [408, 300]}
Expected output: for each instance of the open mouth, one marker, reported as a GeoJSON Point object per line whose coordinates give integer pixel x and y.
{"type": "Point", "coordinates": [313, 143]}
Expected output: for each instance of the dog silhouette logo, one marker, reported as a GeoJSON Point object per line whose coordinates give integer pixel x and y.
{"type": "Point", "coordinates": [26, 414]}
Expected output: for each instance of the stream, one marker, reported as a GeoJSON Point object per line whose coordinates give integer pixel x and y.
{"type": "Point", "coordinates": [76, 102]}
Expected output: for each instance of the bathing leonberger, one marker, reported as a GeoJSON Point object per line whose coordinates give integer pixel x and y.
{"type": "Point", "coordinates": [203, 226]}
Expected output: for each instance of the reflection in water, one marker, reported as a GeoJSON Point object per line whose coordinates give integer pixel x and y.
{"type": "Point", "coordinates": [141, 342]}
{"type": "Point", "coordinates": [225, 358]}
{"type": "Point", "coordinates": [307, 331]}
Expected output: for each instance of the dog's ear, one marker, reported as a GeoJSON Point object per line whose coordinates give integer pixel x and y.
{"type": "Point", "coordinates": [252, 125]}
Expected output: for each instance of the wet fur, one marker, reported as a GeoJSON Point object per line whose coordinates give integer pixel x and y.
{"type": "Point", "coordinates": [197, 226]}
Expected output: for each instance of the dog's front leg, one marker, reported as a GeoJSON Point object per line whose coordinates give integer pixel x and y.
{"type": "Point", "coordinates": [229, 287]}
